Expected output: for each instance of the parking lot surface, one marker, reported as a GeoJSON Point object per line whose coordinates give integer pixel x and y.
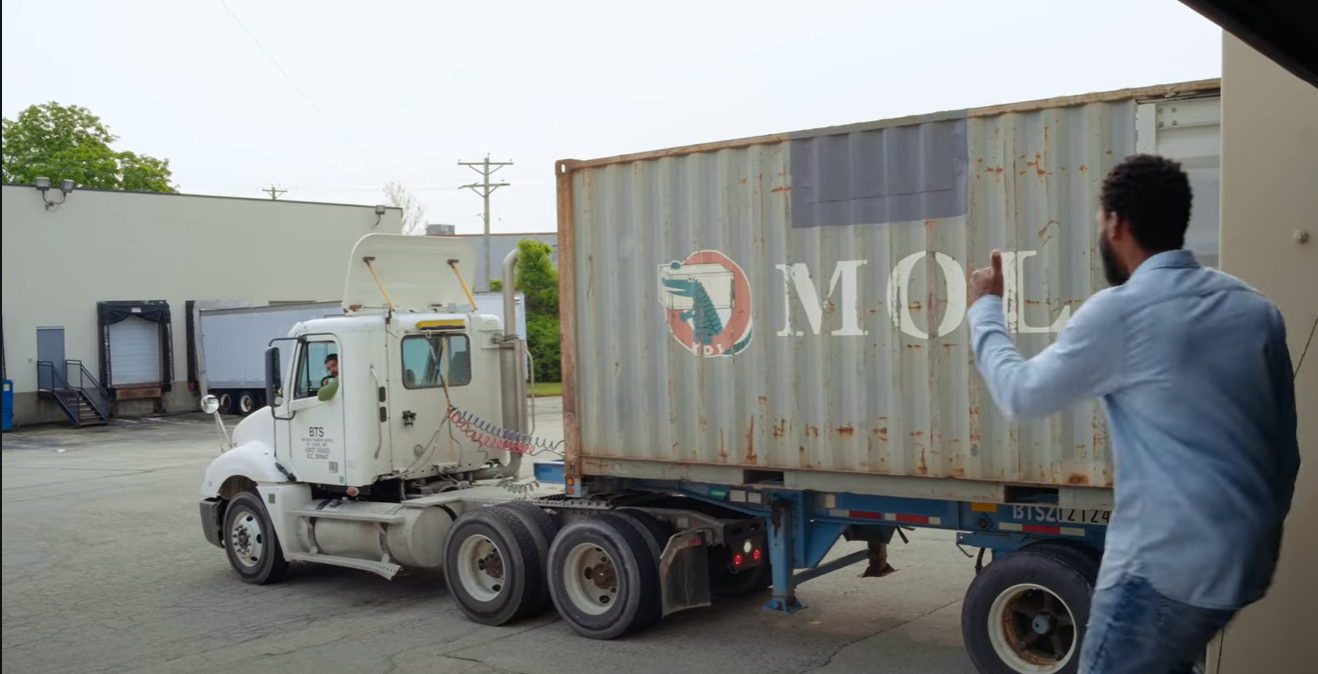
{"type": "Point", "coordinates": [105, 570]}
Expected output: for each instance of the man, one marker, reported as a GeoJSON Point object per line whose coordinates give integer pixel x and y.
{"type": "Point", "coordinates": [1194, 375]}
{"type": "Point", "coordinates": [329, 385]}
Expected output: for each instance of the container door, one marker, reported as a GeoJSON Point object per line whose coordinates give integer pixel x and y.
{"type": "Point", "coordinates": [317, 403]}
{"type": "Point", "coordinates": [50, 349]}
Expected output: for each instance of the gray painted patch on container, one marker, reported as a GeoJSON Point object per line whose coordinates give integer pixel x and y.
{"type": "Point", "coordinates": [880, 176]}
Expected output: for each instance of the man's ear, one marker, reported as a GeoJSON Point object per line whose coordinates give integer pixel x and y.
{"type": "Point", "coordinates": [1119, 228]}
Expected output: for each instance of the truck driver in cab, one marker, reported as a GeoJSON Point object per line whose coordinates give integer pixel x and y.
{"type": "Point", "coordinates": [329, 385]}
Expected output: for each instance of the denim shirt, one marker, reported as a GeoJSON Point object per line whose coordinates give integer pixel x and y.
{"type": "Point", "coordinates": [1193, 372]}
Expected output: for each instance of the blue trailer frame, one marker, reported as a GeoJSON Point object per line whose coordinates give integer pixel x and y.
{"type": "Point", "coordinates": [803, 526]}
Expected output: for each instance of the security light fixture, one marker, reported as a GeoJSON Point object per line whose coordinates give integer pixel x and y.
{"type": "Point", "coordinates": [43, 186]}
{"type": "Point", "coordinates": [379, 209]}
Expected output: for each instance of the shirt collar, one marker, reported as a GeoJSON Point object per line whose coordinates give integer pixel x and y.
{"type": "Point", "coordinates": [1172, 259]}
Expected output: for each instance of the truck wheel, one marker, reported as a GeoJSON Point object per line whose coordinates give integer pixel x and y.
{"type": "Point", "coordinates": [250, 541]}
{"type": "Point", "coordinates": [543, 529]}
{"type": "Point", "coordinates": [1027, 611]}
{"type": "Point", "coordinates": [226, 403]}
{"type": "Point", "coordinates": [602, 577]}
{"type": "Point", "coordinates": [729, 584]}
{"type": "Point", "coordinates": [655, 533]}
{"type": "Point", "coordinates": [246, 403]}
{"type": "Point", "coordinates": [490, 566]}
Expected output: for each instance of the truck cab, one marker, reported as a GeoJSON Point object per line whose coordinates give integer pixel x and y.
{"type": "Point", "coordinates": [375, 421]}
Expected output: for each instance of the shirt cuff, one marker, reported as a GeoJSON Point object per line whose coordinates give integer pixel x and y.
{"type": "Point", "coordinates": [988, 307]}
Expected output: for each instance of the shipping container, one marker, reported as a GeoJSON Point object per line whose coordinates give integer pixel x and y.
{"type": "Point", "coordinates": [792, 307]}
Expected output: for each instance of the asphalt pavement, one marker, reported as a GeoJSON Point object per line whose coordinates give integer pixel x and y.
{"type": "Point", "coordinates": [105, 571]}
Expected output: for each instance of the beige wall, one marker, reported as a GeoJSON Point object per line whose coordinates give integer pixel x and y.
{"type": "Point", "coordinates": [1269, 193]}
{"type": "Point", "coordinates": [97, 246]}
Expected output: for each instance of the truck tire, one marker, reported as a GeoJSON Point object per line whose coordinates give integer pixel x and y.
{"type": "Point", "coordinates": [250, 541]}
{"type": "Point", "coordinates": [491, 566]}
{"type": "Point", "coordinates": [247, 403]}
{"type": "Point", "coordinates": [729, 584]}
{"type": "Point", "coordinates": [543, 528]}
{"type": "Point", "coordinates": [602, 577]}
{"type": "Point", "coordinates": [656, 534]}
{"type": "Point", "coordinates": [1027, 611]}
{"type": "Point", "coordinates": [226, 403]}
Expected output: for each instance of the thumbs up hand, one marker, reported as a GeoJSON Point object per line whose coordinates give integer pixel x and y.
{"type": "Point", "coordinates": [987, 281]}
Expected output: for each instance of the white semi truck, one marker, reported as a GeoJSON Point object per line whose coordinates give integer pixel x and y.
{"type": "Point", "coordinates": [392, 456]}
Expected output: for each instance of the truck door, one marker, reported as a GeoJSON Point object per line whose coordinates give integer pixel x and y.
{"type": "Point", "coordinates": [316, 431]}
{"type": "Point", "coordinates": [428, 361]}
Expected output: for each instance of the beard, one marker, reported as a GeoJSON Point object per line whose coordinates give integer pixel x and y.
{"type": "Point", "coordinates": [1112, 269]}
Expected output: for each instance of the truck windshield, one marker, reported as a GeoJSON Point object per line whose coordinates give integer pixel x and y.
{"type": "Point", "coordinates": [430, 359]}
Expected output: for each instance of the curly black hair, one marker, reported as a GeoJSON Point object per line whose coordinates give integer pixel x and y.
{"type": "Point", "coordinates": [1153, 194]}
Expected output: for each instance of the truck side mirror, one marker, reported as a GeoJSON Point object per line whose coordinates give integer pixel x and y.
{"type": "Point", "coordinates": [273, 378]}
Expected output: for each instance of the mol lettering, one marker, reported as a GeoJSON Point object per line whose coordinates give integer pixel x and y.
{"type": "Point", "coordinates": [841, 299]}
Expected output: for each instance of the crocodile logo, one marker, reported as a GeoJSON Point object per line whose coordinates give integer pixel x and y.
{"type": "Point", "coordinates": [707, 302]}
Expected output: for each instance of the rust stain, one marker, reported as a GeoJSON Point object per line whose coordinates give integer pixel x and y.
{"type": "Point", "coordinates": [1077, 478]}
{"type": "Point", "coordinates": [741, 181]}
{"type": "Point", "coordinates": [764, 400]}
{"type": "Point", "coordinates": [994, 169]}
{"type": "Point", "coordinates": [914, 347]}
{"type": "Point", "coordinates": [958, 472]}
{"type": "Point", "coordinates": [846, 431]}
{"type": "Point", "coordinates": [812, 430]}
{"type": "Point", "coordinates": [781, 188]}
{"type": "Point", "coordinates": [923, 468]}
{"type": "Point", "coordinates": [1082, 168]}
{"type": "Point", "coordinates": [750, 442]}
{"type": "Point", "coordinates": [915, 305]}
{"type": "Point", "coordinates": [881, 433]}
{"type": "Point", "coordinates": [722, 448]}
{"type": "Point", "coordinates": [703, 424]}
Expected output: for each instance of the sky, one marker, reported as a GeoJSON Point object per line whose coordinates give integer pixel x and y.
{"type": "Point", "coordinates": [330, 99]}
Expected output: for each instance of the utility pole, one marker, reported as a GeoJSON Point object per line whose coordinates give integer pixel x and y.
{"type": "Point", "coordinates": [485, 188]}
{"type": "Point", "coordinates": [274, 192]}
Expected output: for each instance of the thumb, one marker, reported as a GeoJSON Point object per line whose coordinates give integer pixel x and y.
{"type": "Point", "coordinates": [996, 260]}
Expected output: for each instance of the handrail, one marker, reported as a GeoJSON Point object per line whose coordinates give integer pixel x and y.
{"type": "Point", "coordinates": [49, 380]}
{"type": "Point", "coordinates": [101, 401]}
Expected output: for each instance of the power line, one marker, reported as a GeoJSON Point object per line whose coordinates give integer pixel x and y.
{"type": "Point", "coordinates": [294, 83]}
{"type": "Point", "coordinates": [274, 192]}
{"type": "Point", "coordinates": [485, 188]}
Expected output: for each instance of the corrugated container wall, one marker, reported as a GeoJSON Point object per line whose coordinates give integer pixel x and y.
{"type": "Point", "coordinates": [797, 303]}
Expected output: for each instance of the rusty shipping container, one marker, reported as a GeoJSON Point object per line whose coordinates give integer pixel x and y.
{"type": "Point", "coordinates": [793, 306]}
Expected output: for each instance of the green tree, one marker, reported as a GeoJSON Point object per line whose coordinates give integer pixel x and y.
{"type": "Point", "coordinates": [70, 143]}
{"type": "Point", "coordinates": [537, 280]}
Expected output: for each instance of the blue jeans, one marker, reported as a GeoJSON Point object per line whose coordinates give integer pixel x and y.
{"type": "Point", "coordinates": [1135, 630]}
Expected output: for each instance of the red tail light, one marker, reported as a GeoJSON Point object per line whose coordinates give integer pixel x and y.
{"type": "Point", "coordinates": [737, 559]}
{"type": "Point", "coordinates": [756, 555]}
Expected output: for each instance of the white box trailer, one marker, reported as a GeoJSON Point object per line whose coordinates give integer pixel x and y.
{"type": "Point", "coordinates": [231, 347]}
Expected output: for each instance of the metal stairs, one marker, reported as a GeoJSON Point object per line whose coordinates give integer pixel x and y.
{"type": "Point", "coordinates": [85, 402]}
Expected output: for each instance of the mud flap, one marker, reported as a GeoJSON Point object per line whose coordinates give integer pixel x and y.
{"type": "Point", "coordinates": [684, 573]}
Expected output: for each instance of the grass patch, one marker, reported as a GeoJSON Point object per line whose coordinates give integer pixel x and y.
{"type": "Point", "coordinates": [547, 389]}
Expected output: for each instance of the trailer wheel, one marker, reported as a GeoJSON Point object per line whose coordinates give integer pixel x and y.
{"type": "Point", "coordinates": [602, 577]}
{"type": "Point", "coordinates": [250, 541]}
{"type": "Point", "coordinates": [226, 403]}
{"type": "Point", "coordinates": [1026, 612]}
{"type": "Point", "coordinates": [490, 566]}
{"type": "Point", "coordinates": [246, 403]}
{"type": "Point", "coordinates": [655, 533]}
{"type": "Point", "coordinates": [543, 528]}
{"type": "Point", "coordinates": [729, 584]}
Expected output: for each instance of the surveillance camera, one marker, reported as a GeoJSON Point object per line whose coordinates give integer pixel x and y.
{"type": "Point", "coordinates": [379, 209]}
{"type": "Point", "coordinates": [66, 186]}
{"type": "Point", "coordinates": [42, 184]}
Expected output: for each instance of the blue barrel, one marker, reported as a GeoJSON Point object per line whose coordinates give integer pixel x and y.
{"type": "Point", "coordinates": [8, 402]}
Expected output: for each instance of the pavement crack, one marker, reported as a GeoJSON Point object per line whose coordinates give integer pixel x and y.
{"type": "Point", "coordinates": [829, 660]}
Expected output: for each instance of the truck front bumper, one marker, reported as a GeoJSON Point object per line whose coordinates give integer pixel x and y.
{"type": "Point", "coordinates": [211, 508]}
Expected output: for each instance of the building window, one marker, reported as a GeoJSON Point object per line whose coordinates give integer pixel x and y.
{"type": "Point", "coordinates": [431, 360]}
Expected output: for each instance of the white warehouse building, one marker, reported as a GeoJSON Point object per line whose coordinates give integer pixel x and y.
{"type": "Point", "coordinates": [99, 286]}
